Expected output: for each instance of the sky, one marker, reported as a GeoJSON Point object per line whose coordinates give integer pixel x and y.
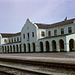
{"type": "Point", "coordinates": [14, 13]}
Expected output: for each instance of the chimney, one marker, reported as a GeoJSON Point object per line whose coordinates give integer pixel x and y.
{"type": "Point", "coordinates": [65, 18]}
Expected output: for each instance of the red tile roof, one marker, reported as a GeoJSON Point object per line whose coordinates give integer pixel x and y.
{"type": "Point", "coordinates": [46, 26]}
{"type": "Point", "coordinates": [10, 34]}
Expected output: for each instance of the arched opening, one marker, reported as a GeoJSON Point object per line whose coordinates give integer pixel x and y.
{"type": "Point", "coordinates": [28, 47]}
{"type": "Point", "coordinates": [54, 45]}
{"type": "Point", "coordinates": [24, 47]}
{"type": "Point", "coordinates": [8, 49]}
{"type": "Point", "coordinates": [5, 50]}
{"type": "Point", "coordinates": [13, 48]}
{"type": "Point", "coordinates": [20, 48]}
{"type": "Point", "coordinates": [47, 46]}
{"type": "Point", "coordinates": [41, 46]}
{"type": "Point", "coordinates": [33, 44]}
{"type": "Point", "coordinates": [17, 48]}
{"type": "Point", "coordinates": [71, 44]}
{"type": "Point", "coordinates": [61, 45]}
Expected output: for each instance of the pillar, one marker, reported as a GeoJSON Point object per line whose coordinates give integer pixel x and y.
{"type": "Point", "coordinates": [66, 47]}
{"type": "Point", "coordinates": [57, 47]}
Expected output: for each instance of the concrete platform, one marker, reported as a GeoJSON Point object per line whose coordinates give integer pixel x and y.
{"type": "Point", "coordinates": [64, 57]}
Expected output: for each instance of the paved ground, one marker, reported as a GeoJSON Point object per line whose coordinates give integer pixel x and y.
{"type": "Point", "coordinates": [46, 57]}
{"type": "Point", "coordinates": [56, 55]}
{"type": "Point", "coordinates": [67, 57]}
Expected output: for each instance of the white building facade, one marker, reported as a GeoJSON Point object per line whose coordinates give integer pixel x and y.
{"type": "Point", "coordinates": [36, 37]}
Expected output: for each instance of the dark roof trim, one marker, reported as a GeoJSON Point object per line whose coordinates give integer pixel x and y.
{"type": "Point", "coordinates": [5, 35]}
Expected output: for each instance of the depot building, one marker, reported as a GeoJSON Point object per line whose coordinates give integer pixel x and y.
{"type": "Point", "coordinates": [38, 37]}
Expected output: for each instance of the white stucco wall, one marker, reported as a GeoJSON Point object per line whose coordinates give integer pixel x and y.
{"type": "Point", "coordinates": [29, 27]}
{"type": "Point", "coordinates": [59, 29]}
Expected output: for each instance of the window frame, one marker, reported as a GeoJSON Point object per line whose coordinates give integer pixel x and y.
{"type": "Point", "coordinates": [23, 36]}
{"type": "Point", "coordinates": [32, 34]}
{"type": "Point", "coordinates": [69, 29]}
{"type": "Point", "coordinates": [62, 30]}
{"type": "Point", "coordinates": [55, 32]}
{"type": "Point", "coordinates": [42, 33]}
{"type": "Point", "coordinates": [49, 33]}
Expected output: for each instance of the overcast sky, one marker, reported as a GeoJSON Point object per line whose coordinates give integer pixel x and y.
{"type": "Point", "coordinates": [13, 13]}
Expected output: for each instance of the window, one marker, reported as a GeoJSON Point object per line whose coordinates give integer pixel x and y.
{"type": "Point", "coordinates": [32, 34]}
{"type": "Point", "coordinates": [42, 33]}
{"type": "Point", "coordinates": [5, 41]}
{"type": "Point", "coordinates": [17, 39]}
{"type": "Point", "coordinates": [9, 40]}
{"type": "Point", "coordinates": [23, 36]}
{"type": "Point", "coordinates": [49, 33]}
{"type": "Point", "coordinates": [14, 39]}
{"type": "Point", "coordinates": [69, 29]}
{"type": "Point", "coordinates": [55, 32]}
{"type": "Point", "coordinates": [62, 31]}
{"type": "Point", "coordinates": [28, 35]}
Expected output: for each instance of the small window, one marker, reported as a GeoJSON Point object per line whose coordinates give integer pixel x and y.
{"type": "Point", "coordinates": [55, 32]}
{"type": "Point", "coordinates": [23, 36]}
{"type": "Point", "coordinates": [49, 33]}
{"type": "Point", "coordinates": [9, 40]}
{"type": "Point", "coordinates": [14, 39]}
{"type": "Point", "coordinates": [5, 41]}
{"type": "Point", "coordinates": [28, 35]}
{"type": "Point", "coordinates": [32, 34]}
{"type": "Point", "coordinates": [42, 33]}
{"type": "Point", "coordinates": [69, 29]}
{"type": "Point", "coordinates": [17, 39]}
{"type": "Point", "coordinates": [62, 31]}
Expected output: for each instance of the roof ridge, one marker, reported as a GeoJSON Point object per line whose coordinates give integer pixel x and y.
{"type": "Point", "coordinates": [45, 26]}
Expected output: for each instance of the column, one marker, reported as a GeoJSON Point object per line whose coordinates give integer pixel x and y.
{"type": "Point", "coordinates": [44, 48]}
{"type": "Point", "coordinates": [51, 48]}
{"type": "Point", "coordinates": [26, 48]}
{"type": "Point", "coordinates": [66, 47]}
{"type": "Point", "coordinates": [57, 48]}
{"type": "Point", "coordinates": [74, 46]}
{"type": "Point", "coordinates": [31, 50]}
